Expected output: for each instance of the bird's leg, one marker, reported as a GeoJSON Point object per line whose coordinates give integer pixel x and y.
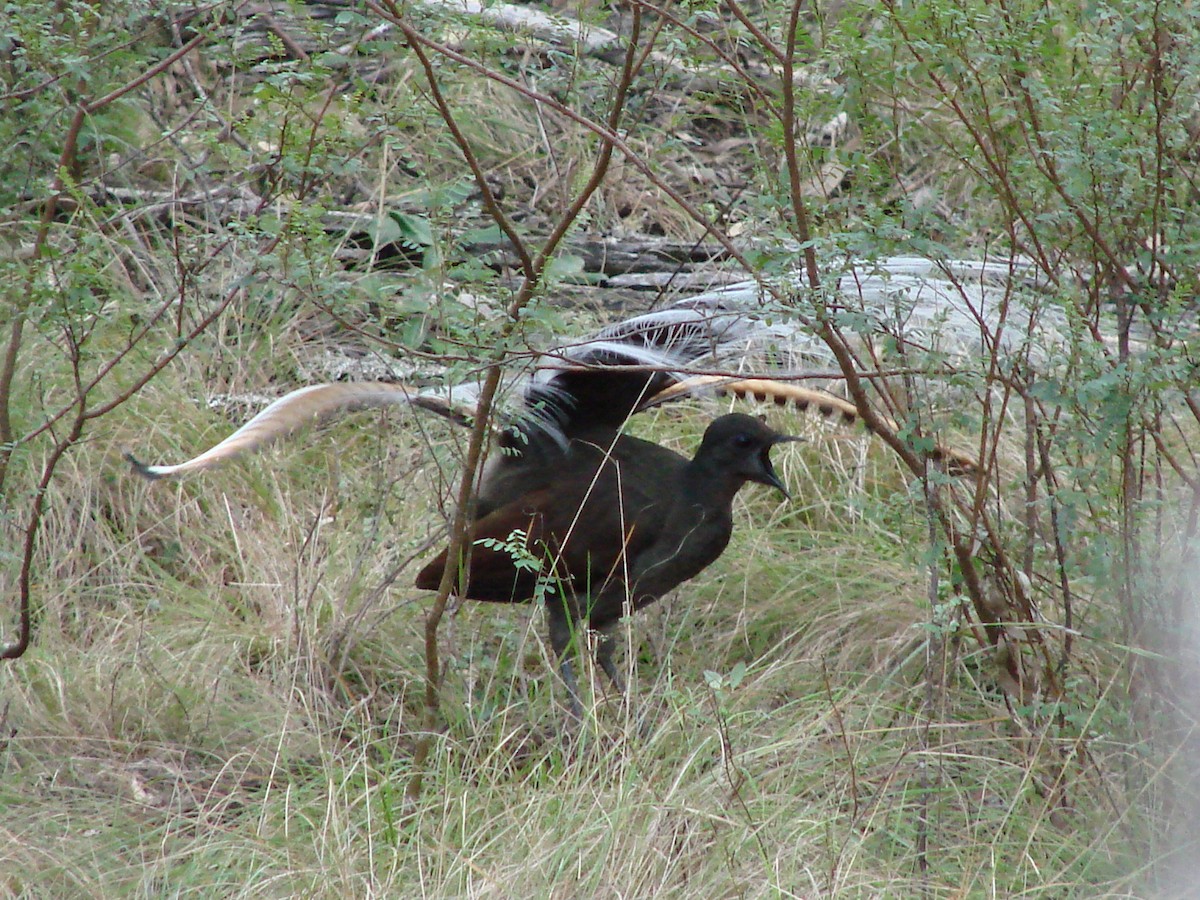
{"type": "Point", "coordinates": [605, 645]}
{"type": "Point", "coordinates": [561, 632]}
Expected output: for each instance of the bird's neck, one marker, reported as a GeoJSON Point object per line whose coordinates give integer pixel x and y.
{"type": "Point", "coordinates": [709, 486]}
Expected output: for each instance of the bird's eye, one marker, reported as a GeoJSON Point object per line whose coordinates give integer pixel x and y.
{"type": "Point", "coordinates": [743, 440]}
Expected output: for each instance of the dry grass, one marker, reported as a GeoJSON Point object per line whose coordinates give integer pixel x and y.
{"type": "Point", "coordinates": [225, 686]}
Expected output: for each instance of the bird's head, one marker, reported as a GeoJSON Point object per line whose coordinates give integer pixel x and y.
{"type": "Point", "coordinates": [739, 446]}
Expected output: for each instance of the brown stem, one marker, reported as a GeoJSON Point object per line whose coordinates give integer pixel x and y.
{"type": "Point", "coordinates": [604, 133]}
{"type": "Point", "coordinates": [66, 163]}
{"type": "Point", "coordinates": [17, 648]}
{"type": "Point", "coordinates": [532, 268]}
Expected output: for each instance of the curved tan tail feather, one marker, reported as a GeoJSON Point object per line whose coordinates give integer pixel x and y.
{"type": "Point", "coordinates": [305, 406]}
{"type": "Point", "coordinates": [783, 393]}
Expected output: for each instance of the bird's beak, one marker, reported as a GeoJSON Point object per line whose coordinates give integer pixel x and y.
{"type": "Point", "coordinates": [770, 477]}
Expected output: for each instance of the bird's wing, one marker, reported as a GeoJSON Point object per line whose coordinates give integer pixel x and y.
{"type": "Point", "coordinates": [506, 556]}
{"type": "Point", "coordinates": [586, 522]}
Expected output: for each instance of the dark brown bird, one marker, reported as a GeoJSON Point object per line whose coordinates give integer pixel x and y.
{"type": "Point", "coordinates": [570, 509]}
{"type": "Point", "coordinates": [601, 522]}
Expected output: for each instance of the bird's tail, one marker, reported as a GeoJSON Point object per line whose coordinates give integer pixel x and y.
{"type": "Point", "coordinates": [601, 380]}
{"type": "Point", "coordinates": [308, 405]}
{"type": "Point", "coordinates": [627, 367]}
{"type": "Point", "coordinates": [784, 393]}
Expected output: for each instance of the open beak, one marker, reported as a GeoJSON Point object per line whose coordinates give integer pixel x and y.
{"type": "Point", "coordinates": [769, 476]}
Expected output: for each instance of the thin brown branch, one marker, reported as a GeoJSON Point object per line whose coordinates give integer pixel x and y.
{"type": "Point", "coordinates": [66, 162]}
{"type": "Point", "coordinates": [618, 143]}
{"type": "Point", "coordinates": [533, 267]}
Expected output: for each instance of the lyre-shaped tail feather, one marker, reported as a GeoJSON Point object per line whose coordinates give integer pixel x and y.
{"type": "Point", "coordinates": [783, 393]}
{"type": "Point", "coordinates": [305, 406]}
